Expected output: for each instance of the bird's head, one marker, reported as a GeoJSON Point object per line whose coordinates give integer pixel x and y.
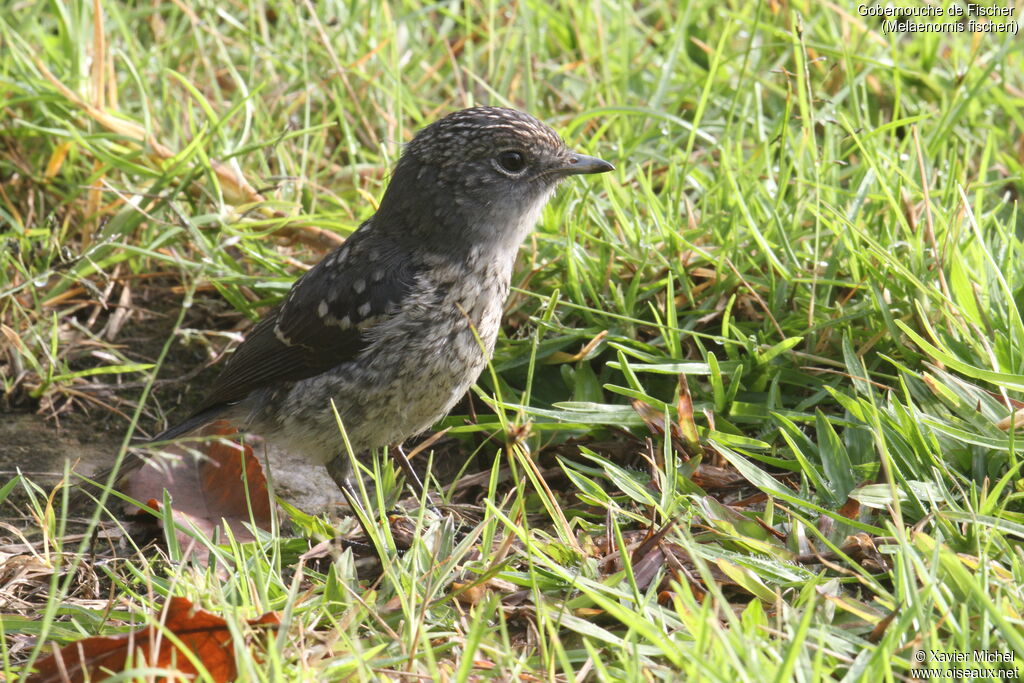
{"type": "Point", "coordinates": [481, 175]}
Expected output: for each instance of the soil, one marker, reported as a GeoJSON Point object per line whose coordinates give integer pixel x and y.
{"type": "Point", "coordinates": [38, 447]}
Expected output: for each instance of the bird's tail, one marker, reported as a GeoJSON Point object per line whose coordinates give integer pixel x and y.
{"type": "Point", "coordinates": [86, 490]}
{"type": "Point", "coordinates": [200, 419]}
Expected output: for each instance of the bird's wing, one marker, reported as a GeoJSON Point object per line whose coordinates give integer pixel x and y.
{"type": "Point", "coordinates": [320, 324]}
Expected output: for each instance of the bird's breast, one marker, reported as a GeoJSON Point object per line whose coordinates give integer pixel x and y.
{"type": "Point", "coordinates": [454, 312]}
{"type": "Point", "coordinates": [420, 360]}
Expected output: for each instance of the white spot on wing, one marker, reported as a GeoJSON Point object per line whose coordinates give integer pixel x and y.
{"type": "Point", "coordinates": [281, 336]}
{"type": "Point", "coordinates": [343, 324]}
{"type": "Point", "coordinates": [367, 323]}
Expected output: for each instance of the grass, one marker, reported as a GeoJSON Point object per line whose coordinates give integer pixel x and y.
{"type": "Point", "coordinates": [814, 223]}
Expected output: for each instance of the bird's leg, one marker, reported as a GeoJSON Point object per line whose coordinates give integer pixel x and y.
{"type": "Point", "coordinates": [410, 474]}
{"type": "Point", "coordinates": [341, 472]}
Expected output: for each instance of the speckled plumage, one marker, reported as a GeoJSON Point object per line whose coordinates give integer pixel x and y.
{"type": "Point", "coordinates": [397, 323]}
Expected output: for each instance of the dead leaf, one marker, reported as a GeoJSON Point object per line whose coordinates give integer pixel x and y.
{"type": "Point", "coordinates": [861, 548]}
{"type": "Point", "coordinates": [655, 422]}
{"type": "Point", "coordinates": [201, 633]}
{"type": "Point", "coordinates": [880, 628]}
{"type": "Point", "coordinates": [850, 509]}
{"type": "Point", "coordinates": [684, 413]}
{"type": "Point", "coordinates": [472, 593]}
{"type": "Point", "coordinates": [712, 478]}
{"type": "Point", "coordinates": [207, 491]}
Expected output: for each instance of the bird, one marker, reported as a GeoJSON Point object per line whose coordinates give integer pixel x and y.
{"type": "Point", "coordinates": [395, 325]}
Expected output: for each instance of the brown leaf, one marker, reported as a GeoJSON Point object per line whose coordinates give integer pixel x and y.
{"type": "Point", "coordinates": [880, 628]}
{"type": "Point", "coordinates": [861, 548]}
{"type": "Point", "coordinates": [204, 491]}
{"type": "Point", "coordinates": [655, 422]}
{"type": "Point", "coordinates": [684, 413]}
{"type": "Point", "coordinates": [712, 478]}
{"type": "Point", "coordinates": [201, 633]}
{"type": "Point", "coordinates": [469, 593]}
{"type": "Point", "coordinates": [850, 509]}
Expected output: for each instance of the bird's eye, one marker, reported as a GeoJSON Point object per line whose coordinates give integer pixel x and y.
{"type": "Point", "coordinates": [511, 161]}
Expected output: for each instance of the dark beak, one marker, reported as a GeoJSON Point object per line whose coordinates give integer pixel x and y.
{"type": "Point", "coordinates": [578, 164]}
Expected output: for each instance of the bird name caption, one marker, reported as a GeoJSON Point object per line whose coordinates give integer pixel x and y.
{"type": "Point", "coordinates": [963, 18]}
{"type": "Point", "coordinates": [943, 658]}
